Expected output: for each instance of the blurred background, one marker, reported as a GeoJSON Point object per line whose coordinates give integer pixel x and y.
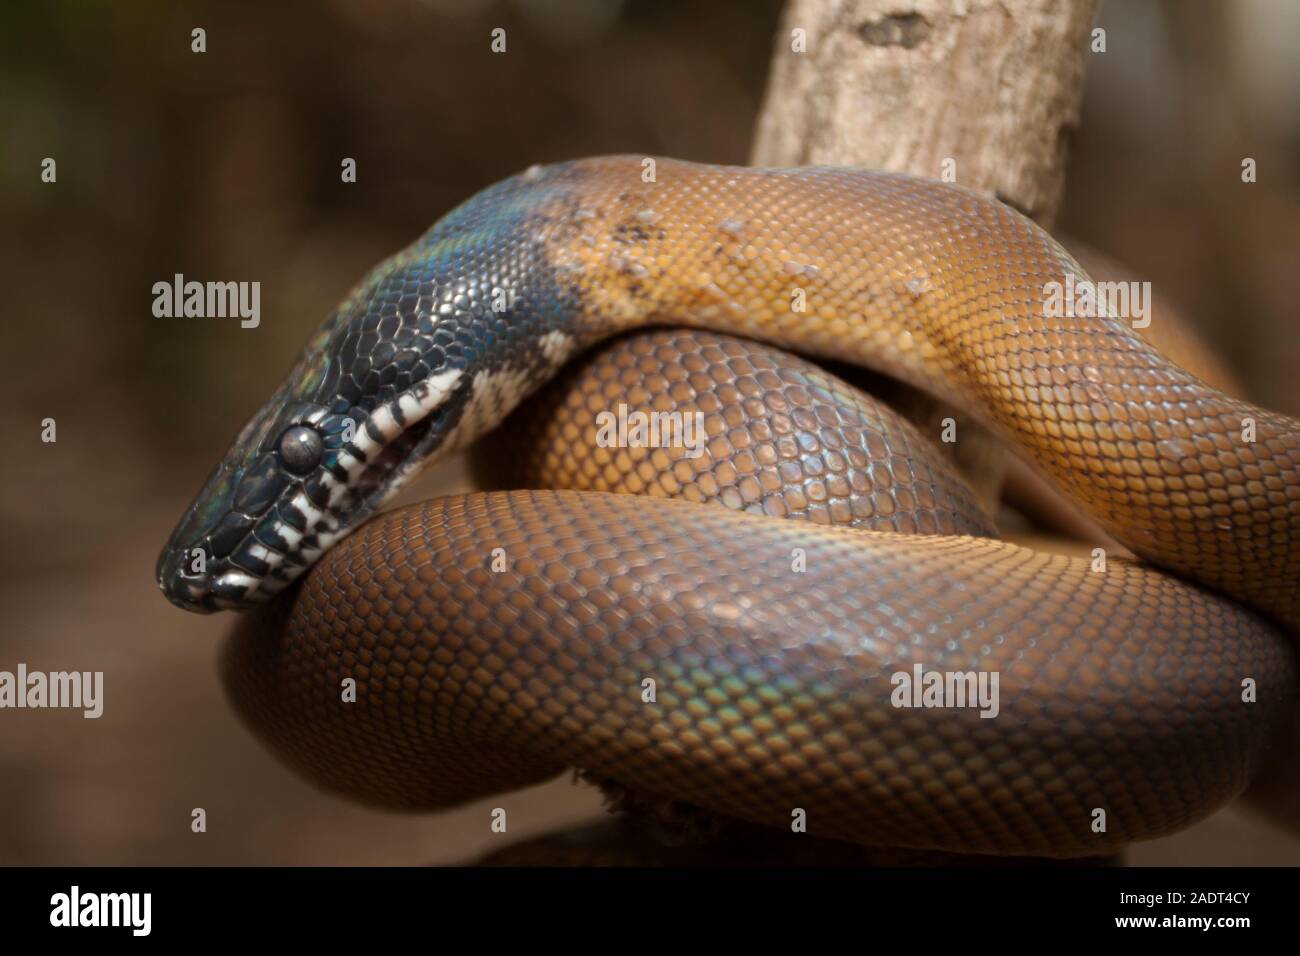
{"type": "Point", "coordinates": [226, 166]}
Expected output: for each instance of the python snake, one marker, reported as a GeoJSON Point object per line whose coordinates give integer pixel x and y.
{"type": "Point", "coordinates": [497, 638]}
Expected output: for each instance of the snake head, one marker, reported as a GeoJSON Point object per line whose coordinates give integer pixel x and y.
{"type": "Point", "coordinates": [352, 422]}
{"type": "Point", "coordinates": [430, 350]}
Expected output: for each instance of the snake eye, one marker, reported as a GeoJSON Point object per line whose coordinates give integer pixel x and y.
{"type": "Point", "coordinates": [300, 449]}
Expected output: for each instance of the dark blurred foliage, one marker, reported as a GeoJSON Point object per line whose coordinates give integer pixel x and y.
{"type": "Point", "coordinates": [226, 165]}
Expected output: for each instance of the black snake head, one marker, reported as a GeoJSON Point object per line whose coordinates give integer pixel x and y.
{"type": "Point", "coordinates": [432, 349]}
{"type": "Point", "coordinates": [300, 475]}
{"type": "Point", "coordinates": [375, 392]}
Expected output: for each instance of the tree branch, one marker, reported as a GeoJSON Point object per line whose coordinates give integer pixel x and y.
{"type": "Point", "coordinates": [903, 85]}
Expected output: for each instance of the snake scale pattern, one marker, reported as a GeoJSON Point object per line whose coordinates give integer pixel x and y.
{"type": "Point", "coordinates": [770, 584]}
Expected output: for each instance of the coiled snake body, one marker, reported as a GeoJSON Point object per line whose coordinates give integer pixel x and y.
{"type": "Point", "coordinates": [497, 638]}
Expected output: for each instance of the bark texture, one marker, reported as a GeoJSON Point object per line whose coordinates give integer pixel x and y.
{"type": "Point", "coordinates": [992, 85]}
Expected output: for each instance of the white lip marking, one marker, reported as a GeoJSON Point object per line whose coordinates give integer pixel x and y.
{"type": "Point", "coordinates": [310, 512]}
{"type": "Point", "coordinates": [409, 406]}
{"type": "Point", "coordinates": [328, 539]}
{"type": "Point", "coordinates": [350, 463]}
{"type": "Point", "coordinates": [362, 441]}
{"type": "Point", "coordinates": [416, 404]}
{"type": "Point", "coordinates": [265, 554]}
{"type": "Point", "coordinates": [437, 388]}
{"type": "Point", "coordinates": [382, 418]}
{"type": "Point", "coordinates": [238, 579]}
